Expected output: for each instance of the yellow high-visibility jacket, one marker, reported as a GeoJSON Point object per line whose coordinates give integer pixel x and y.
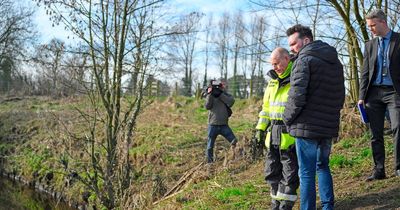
{"type": "Point", "coordinates": [275, 99]}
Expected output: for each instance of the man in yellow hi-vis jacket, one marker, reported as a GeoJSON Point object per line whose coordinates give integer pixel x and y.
{"type": "Point", "coordinates": [281, 162]}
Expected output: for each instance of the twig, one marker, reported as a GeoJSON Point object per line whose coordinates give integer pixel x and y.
{"type": "Point", "coordinates": [176, 189]}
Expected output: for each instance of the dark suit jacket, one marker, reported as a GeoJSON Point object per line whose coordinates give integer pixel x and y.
{"type": "Point", "coordinates": [368, 70]}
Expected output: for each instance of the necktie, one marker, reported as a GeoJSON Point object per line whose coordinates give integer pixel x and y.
{"type": "Point", "coordinates": [383, 56]}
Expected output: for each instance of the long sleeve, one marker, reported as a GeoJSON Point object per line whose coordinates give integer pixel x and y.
{"type": "Point", "coordinates": [364, 73]}
{"type": "Point", "coordinates": [263, 116]}
{"type": "Point", "coordinates": [209, 102]}
{"type": "Point", "coordinates": [299, 81]}
{"type": "Point", "coordinates": [227, 99]}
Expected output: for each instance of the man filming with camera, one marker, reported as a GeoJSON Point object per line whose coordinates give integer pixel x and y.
{"type": "Point", "coordinates": [218, 103]}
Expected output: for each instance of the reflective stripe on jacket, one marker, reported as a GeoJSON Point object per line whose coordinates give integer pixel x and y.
{"type": "Point", "coordinates": [275, 99]}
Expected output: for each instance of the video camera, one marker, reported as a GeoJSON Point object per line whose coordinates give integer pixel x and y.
{"type": "Point", "coordinates": [216, 88]}
{"type": "Point", "coordinates": [216, 84]}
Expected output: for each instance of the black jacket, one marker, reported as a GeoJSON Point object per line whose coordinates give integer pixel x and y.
{"type": "Point", "coordinates": [317, 93]}
{"type": "Point", "coordinates": [368, 69]}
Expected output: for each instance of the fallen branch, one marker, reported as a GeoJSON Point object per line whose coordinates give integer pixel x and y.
{"type": "Point", "coordinates": [177, 188]}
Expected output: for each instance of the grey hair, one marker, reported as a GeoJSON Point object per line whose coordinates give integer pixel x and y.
{"type": "Point", "coordinates": [378, 13]}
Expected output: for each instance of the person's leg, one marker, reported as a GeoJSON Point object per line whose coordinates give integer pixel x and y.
{"type": "Point", "coordinates": [273, 173]}
{"type": "Point", "coordinates": [387, 130]}
{"type": "Point", "coordinates": [290, 179]}
{"type": "Point", "coordinates": [325, 182]}
{"type": "Point", "coordinates": [394, 111]}
{"type": "Point", "coordinates": [376, 113]}
{"type": "Point", "coordinates": [307, 158]}
{"type": "Point", "coordinates": [275, 204]}
{"type": "Point", "coordinates": [212, 135]}
{"type": "Point", "coordinates": [227, 132]}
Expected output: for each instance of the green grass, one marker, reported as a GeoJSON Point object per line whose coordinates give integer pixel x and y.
{"type": "Point", "coordinates": [178, 137]}
{"type": "Point", "coordinates": [346, 143]}
{"type": "Point", "coordinates": [242, 127]}
{"type": "Point", "coordinates": [5, 148]}
{"type": "Point", "coordinates": [141, 149]}
{"type": "Point", "coordinates": [340, 161]}
{"type": "Point", "coordinates": [200, 115]}
{"type": "Point", "coordinates": [237, 197]}
{"type": "Point", "coordinates": [225, 195]}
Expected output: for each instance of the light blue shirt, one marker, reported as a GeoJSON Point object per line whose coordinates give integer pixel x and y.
{"type": "Point", "coordinates": [383, 61]}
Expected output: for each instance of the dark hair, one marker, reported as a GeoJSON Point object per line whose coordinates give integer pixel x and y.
{"type": "Point", "coordinates": [303, 31]}
{"type": "Point", "coordinates": [378, 13]}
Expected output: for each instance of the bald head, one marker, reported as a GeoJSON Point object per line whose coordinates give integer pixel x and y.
{"type": "Point", "coordinates": [280, 51]}
{"type": "Point", "coordinates": [280, 59]}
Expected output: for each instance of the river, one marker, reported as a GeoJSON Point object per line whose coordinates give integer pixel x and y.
{"type": "Point", "coordinates": [14, 195]}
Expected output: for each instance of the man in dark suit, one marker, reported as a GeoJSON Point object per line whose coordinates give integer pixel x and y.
{"type": "Point", "coordinates": [380, 88]}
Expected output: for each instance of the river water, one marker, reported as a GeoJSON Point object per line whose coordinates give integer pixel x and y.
{"type": "Point", "coordinates": [14, 195]}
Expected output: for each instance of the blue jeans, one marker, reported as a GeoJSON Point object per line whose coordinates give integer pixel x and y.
{"type": "Point", "coordinates": [213, 132]}
{"type": "Point", "coordinates": [313, 157]}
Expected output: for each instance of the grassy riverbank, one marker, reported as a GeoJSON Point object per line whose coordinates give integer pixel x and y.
{"type": "Point", "coordinates": [37, 134]}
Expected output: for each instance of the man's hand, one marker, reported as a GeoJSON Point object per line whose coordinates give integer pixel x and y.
{"type": "Point", "coordinates": [209, 89]}
{"type": "Point", "coordinates": [361, 102]}
{"type": "Point", "coordinates": [260, 136]}
{"type": "Point", "coordinates": [258, 144]}
{"type": "Point", "coordinates": [216, 92]}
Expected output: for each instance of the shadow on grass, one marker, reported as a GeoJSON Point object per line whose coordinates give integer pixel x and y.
{"type": "Point", "coordinates": [386, 199]}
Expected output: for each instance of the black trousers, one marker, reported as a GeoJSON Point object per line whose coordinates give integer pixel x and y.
{"type": "Point", "coordinates": [379, 99]}
{"type": "Point", "coordinates": [281, 170]}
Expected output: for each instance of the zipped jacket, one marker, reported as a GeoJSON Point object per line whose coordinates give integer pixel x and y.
{"type": "Point", "coordinates": [218, 108]}
{"type": "Point", "coordinates": [274, 102]}
{"type": "Point", "coordinates": [317, 93]}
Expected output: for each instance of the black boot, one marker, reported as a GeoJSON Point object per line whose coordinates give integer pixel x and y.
{"type": "Point", "coordinates": [286, 205]}
{"type": "Point", "coordinates": [275, 204]}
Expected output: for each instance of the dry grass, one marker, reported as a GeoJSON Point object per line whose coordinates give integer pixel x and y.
{"type": "Point", "coordinates": [171, 139]}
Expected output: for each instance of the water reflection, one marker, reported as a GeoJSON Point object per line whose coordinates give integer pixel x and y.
{"type": "Point", "coordinates": [16, 196]}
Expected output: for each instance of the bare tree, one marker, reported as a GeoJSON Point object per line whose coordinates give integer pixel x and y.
{"type": "Point", "coordinates": [347, 12]}
{"type": "Point", "coordinates": [257, 51]}
{"type": "Point", "coordinates": [17, 34]}
{"type": "Point", "coordinates": [237, 52]}
{"type": "Point", "coordinates": [341, 23]}
{"type": "Point", "coordinates": [76, 74]}
{"type": "Point", "coordinates": [104, 28]}
{"type": "Point", "coordinates": [223, 46]}
{"type": "Point", "coordinates": [182, 47]}
{"type": "Point", "coordinates": [143, 31]}
{"type": "Point", "coordinates": [49, 57]}
{"type": "Point", "coordinates": [208, 28]}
